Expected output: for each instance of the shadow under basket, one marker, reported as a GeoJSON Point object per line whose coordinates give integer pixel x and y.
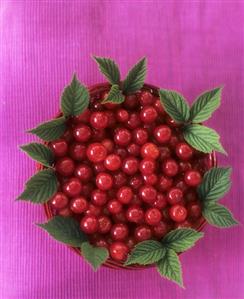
{"type": "Point", "coordinates": [95, 92]}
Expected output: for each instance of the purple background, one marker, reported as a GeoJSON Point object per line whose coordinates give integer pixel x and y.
{"type": "Point", "coordinates": [191, 46]}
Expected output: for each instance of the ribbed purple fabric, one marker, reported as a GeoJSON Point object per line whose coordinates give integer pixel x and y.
{"type": "Point", "coordinates": [191, 46]}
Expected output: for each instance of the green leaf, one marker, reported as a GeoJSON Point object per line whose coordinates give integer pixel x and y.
{"type": "Point", "coordinates": [135, 77]}
{"type": "Point", "coordinates": [65, 230]}
{"type": "Point", "coordinates": [109, 68]}
{"type": "Point", "coordinates": [50, 130]}
{"type": "Point", "coordinates": [205, 105]}
{"type": "Point", "coordinates": [216, 183]}
{"type": "Point", "coordinates": [146, 252]}
{"type": "Point", "coordinates": [40, 187]}
{"type": "Point", "coordinates": [75, 98]}
{"type": "Point", "coordinates": [175, 105]}
{"type": "Point", "coordinates": [115, 96]}
{"type": "Point", "coordinates": [169, 267]}
{"type": "Point", "coordinates": [203, 138]}
{"type": "Point", "coordinates": [218, 215]}
{"type": "Point", "coordinates": [95, 256]}
{"type": "Point", "coordinates": [39, 153]}
{"type": "Point", "coordinates": [181, 239]}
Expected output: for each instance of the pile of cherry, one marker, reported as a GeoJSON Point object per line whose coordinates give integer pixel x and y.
{"type": "Point", "coordinates": [126, 174]}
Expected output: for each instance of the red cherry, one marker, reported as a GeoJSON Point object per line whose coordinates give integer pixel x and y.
{"type": "Point", "coordinates": [112, 162]}
{"type": "Point", "coordinates": [165, 152]}
{"type": "Point", "coordinates": [184, 151]}
{"type": "Point", "coordinates": [160, 202]}
{"type": "Point", "coordinates": [130, 165]}
{"type": "Point", "coordinates": [101, 242]}
{"type": "Point", "coordinates": [122, 137]}
{"type": "Point", "coordinates": [148, 194]}
{"type": "Point", "coordinates": [89, 224]}
{"type": "Point", "coordinates": [145, 98]}
{"type": "Point", "coordinates": [178, 213]}
{"type": "Point", "coordinates": [119, 217]}
{"type": "Point", "coordinates": [193, 178]}
{"type": "Point", "coordinates": [149, 150]}
{"type": "Point", "coordinates": [77, 151]}
{"type": "Point", "coordinates": [171, 122]}
{"type": "Point", "coordinates": [131, 242]}
{"type": "Point", "coordinates": [180, 184]}
{"type": "Point", "coordinates": [184, 166]}
{"type": "Point", "coordinates": [147, 166]}
{"type": "Point", "coordinates": [164, 183]}
{"type": "Point", "coordinates": [143, 233]}
{"type": "Point", "coordinates": [131, 101]}
{"type": "Point", "coordinates": [111, 119]}
{"type": "Point", "coordinates": [114, 206]}
{"type": "Point", "coordinates": [174, 196]}
{"type": "Point", "coordinates": [122, 152]}
{"type": "Point", "coordinates": [159, 107]}
{"type": "Point", "coordinates": [108, 144]}
{"type": "Point", "coordinates": [133, 149]}
{"type": "Point", "coordinates": [135, 214]}
{"type": "Point", "coordinates": [170, 167]}
{"type": "Point", "coordinates": [98, 135]}
{"type": "Point", "coordinates": [104, 224]}
{"type": "Point", "coordinates": [140, 136]}
{"type": "Point", "coordinates": [118, 251]}
{"type": "Point", "coordinates": [59, 147]}
{"type": "Point", "coordinates": [82, 133]}
{"type": "Point", "coordinates": [134, 121]}
{"type": "Point", "coordinates": [162, 133]}
{"type": "Point", "coordinates": [136, 182]}
{"type": "Point", "coordinates": [120, 179]}
{"type": "Point", "coordinates": [153, 216]}
{"type": "Point", "coordinates": [59, 200]}
{"type": "Point", "coordinates": [183, 224]}
{"type": "Point", "coordinates": [104, 181]}
{"type": "Point", "coordinates": [96, 152]}
{"type": "Point", "coordinates": [122, 115]}
{"type": "Point", "coordinates": [87, 189]}
{"type": "Point", "coordinates": [65, 166]}
{"type": "Point", "coordinates": [93, 210]}
{"type": "Point", "coordinates": [99, 120]}
{"type": "Point", "coordinates": [83, 117]}
{"type": "Point", "coordinates": [72, 187]}
{"type": "Point", "coordinates": [83, 172]}
{"type": "Point", "coordinates": [124, 195]}
{"type": "Point", "coordinates": [148, 114]}
{"type": "Point", "coordinates": [98, 197]}
{"type": "Point", "coordinates": [99, 167]}
{"type": "Point", "coordinates": [194, 210]}
{"type": "Point", "coordinates": [161, 229]}
{"type": "Point", "coordinates": [65, 212]}
{"type": "Point", "coordinates": [174, 140]}
{"type": "Point", "coordinates": [150, 179]}
{"type": "Point", "coordinates": [68, 135]}
{"type": "Point", "coordinates": [78, 205]}
{"type": "Point", "coordinates": [119, 232]}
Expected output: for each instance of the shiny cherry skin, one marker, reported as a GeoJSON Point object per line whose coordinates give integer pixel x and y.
{"type": "Point", "coordinates": [184, 166]}
{"type": "Point", "coordinates": [72, 187]}
{"type": "Point", "coordinates": [148, 194]}
{"type": "Point", "coordinates": [124, 195]}
{"type": "Point", "coordinates": [114, 206]}
{"type": "Point", "coordinates": [65, 166]}
{"type": "Point", "coordinates": [83, 172]}
{"type": "Point", "coordinates": [119, 232]}
{"type": "Point", "coordinates": [89, 224]}
{"type": "Point", "coordinates": [131, 101]}
{"type": "Point", "coordinates": [170, 167]}
{"type": "Point", "coordinates": [135, 214]}
{"type": "Point", "coordinates": [164, 183]}
{"type": "Point", "coordinates": [130, 165]}
{"type": "Point", "coordinates": [136, 182]}
{"type": "Point", "coordinates": [122, 152]}
{"type": "Point", "coordinates": [99, 167]}
{"type": "Point", "coordinates": [193, 178]}
{"type": "Point", "coordinates": [162, 134]}
{"type": "Point", "coordinates": [77, 151]}
{"type": "Point", "coordinates": [59, 201]}
{"type": "Point", "coordinates": [99, 197]}
{"type": "Point", "coordinates": [134, 121]}
{"type": "Point", "coordinates": [153, 216]}
{"type": "Point", "coordinates": [134, 149]}
{"type": "Point", "coordinates": [82, 133]}
{"type": "Point", "coordinates": [96, 152]}
{"type": "Point", "coordinates": [159, 107]}
{"type": "Point", "coordinates": [160, 202]}
{"type": "Point", "coordinates": [59, 147]}
{"type": "Point", "coordinates": [93, 210]}
{"type": "Point", "coordinates": [146, 98]}
{"type": "Point", "coordinates": [174, 196]}
{"type": "Point", "coordinates": [142, 233]}
{"type": "Point", "coordinates": [109, 145]}
{"type": "Point", "coordinates": [178, 213]}
{"type": "Point", "coordinates": [130, 242]}
{"type": "Point", "coordinates": [112, 162]}
{"type": "Point", "coordinates": [104, 224]}
{"type": "Point", "coordinates": [150, 151]}
{"type": "Point", "coordinates": [101, 242]}
{"type": "Point", "coordinates": [122, 115]}
{"type": "Point", "coordinates": [122, 137]}
{"type": "Point", "coordinates": [83, 117]}
{"type": "Point", "coordinates": [104, 181]}
{"type": "Point", "coordinates": [78, 205]}
{"type": "Point", "coordinates": [111, 119]}
{"type": "Point", "coordinates": [161, 229]}
{"type": "Point", "coordinates": [99, 120]}
{"type": "Point", "coordinates": [150, 179]}
{"type": "Point", "coordinates": [194, 210]}
{"type": "Point", "coordinates": [119, 251]}
{"type": "Point", "coordinates": [140, 136]}
{"type": "Point", "coordinates": [147, 166]}
{"type": "Point", "coordinates": [148, 114]}
{"type": "Point", "coordinates": [165, 152]}
{"type": "Point", "coordinates": [120, 179]}
{"type": "Point", "coordinates": [184, 151]}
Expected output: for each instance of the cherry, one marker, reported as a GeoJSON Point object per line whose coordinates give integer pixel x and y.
{"type": "Point", "coordinates": [72, 187]}
{"type": "Point", "coordinates": [65, 166]}
{"type": "Point", "coordinates": [124, 195]}
{"type": "Point", "coordinates": [130, 165]}
{"type": "Point", "coordinates": [136, 200]}
{"type": "Point", "coordinates": [150, 179]}
{"type": "Point", "coordinates": [190, 195]}
{"type": "Point", "coordinates": [180, 184]}
{"type": "Point", "coordinates": [78, 205]}
{"type": "Point", "coordinates": [122, 152]}
{"type": "Point", "coordinates": [119, 217]}
{"type": "Point", "coordinates": [159, 107]}
{"type": "Point", "coordinates": [118, 251]}
{"type": "Point", "coordinates": [131, 101]}
{"type": "Point", "coordinates": [170, 167]}
{"type": "Point", "coordinates": [104, 224]}
{"type": "Point", "coordinates": [99, 167]}
{"type": "Point", "coordinates": [89, 224]}
{"type": "Point", "coordinates": [147, 166]}
{"type": "Point", "coordinates": [183, 224]}
{"type": "Point", "coordinates": [122, 115]}
{"type": "Point", "coordinates": [134, 121]}
{"type": "Point", "coordinates": [153, 216]}
{"type": "Point", "coordinates": [184, 166]}
{"type": "Point", "coordinates": [140, 136]}
{"type": "Point", "coordinates": [108, 144]}
{"type": "Point", "coordinates": [77, 151]}
{"type": "Point", "coordinates": [112, 162]}
{"type": "Point", "coordinates": [99, 120]}
{"type": "Point", "coordinates": [135, 214]}
{"type": "Point", "coordinates": [162, 133]}
{"type": "Point", "coordinates": [83, 117]}
{"type": "Point", "coordinates": [161, 229]}
{"type": "Point", "coordinates": [164, 183]}
{"type": "Point", "coordinates": [148, 114]}
{"type": "Point", "coordinates": [87, 189]}
{"type": "Point", "coordinates": [122, 137]}
{"type": "Point", "coordinates": [194, 210]}
{"type": "Point", "coordinates": [148, 194]}
{"type": "Point", "coordinates": [68, 135]}
{"type": "Point", "coordinates": [120, 179]}
{"type": "Point", "coordinates": [171, 122]}
{"type": "Point", "coordinates": [150, 151]}
{"type": "Point", "coordinates": [98, 197]}
{"type": "Point", "coordinates": [82, 133]}
{"type": "Point", "coordinates": [83, 172]}
{"type": "Point", "coordinates": [98, 135]}
{"type": "Point", "coordinates": [143, 233]}
{"type": "Point", "coordinates": [96, 152]}
{"type": "Point", "coordinates": [59, 147]}
{"type": "Point", "coordinates": [160, 202]}
{"type": "Point", "coordinates": [174, 196]}
{"type": "Point", "coordinates": [165, 152]}
{"type": "Point", "coordinates": [65, 212]}
{"type": "Point", "coordinates": [114, 206]}
{"type": "Point", "coordinates": [119, 232]}
{"type": "Point", "coordinates": [136, 182]}
{"type": "Point", "coordinates": [104, 181]}
{"type": "Point", "coordinates": [133, 149]}
{"type": "Point", "coordinates": [59, 200]}
{"type": "Point", "coordinates": [193, 178]}
{"type": "Point", "coordinates": [178, 213]}
{"type": "Point", "coordinates": [131, 242]}
{"type": "Point", "coordinates": [111, 119]}
{"type": "Point", "coordinates": [101, 242]}
{"type": "Point", "coordinates": [184, 151]}
{"type": "Point", "coordinates": [146, 98]}
{"type": "Point", "coordinates": [93, 210]}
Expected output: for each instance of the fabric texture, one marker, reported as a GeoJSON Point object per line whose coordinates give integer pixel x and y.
{"type": "Point", "coordinates": [191, 46]}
